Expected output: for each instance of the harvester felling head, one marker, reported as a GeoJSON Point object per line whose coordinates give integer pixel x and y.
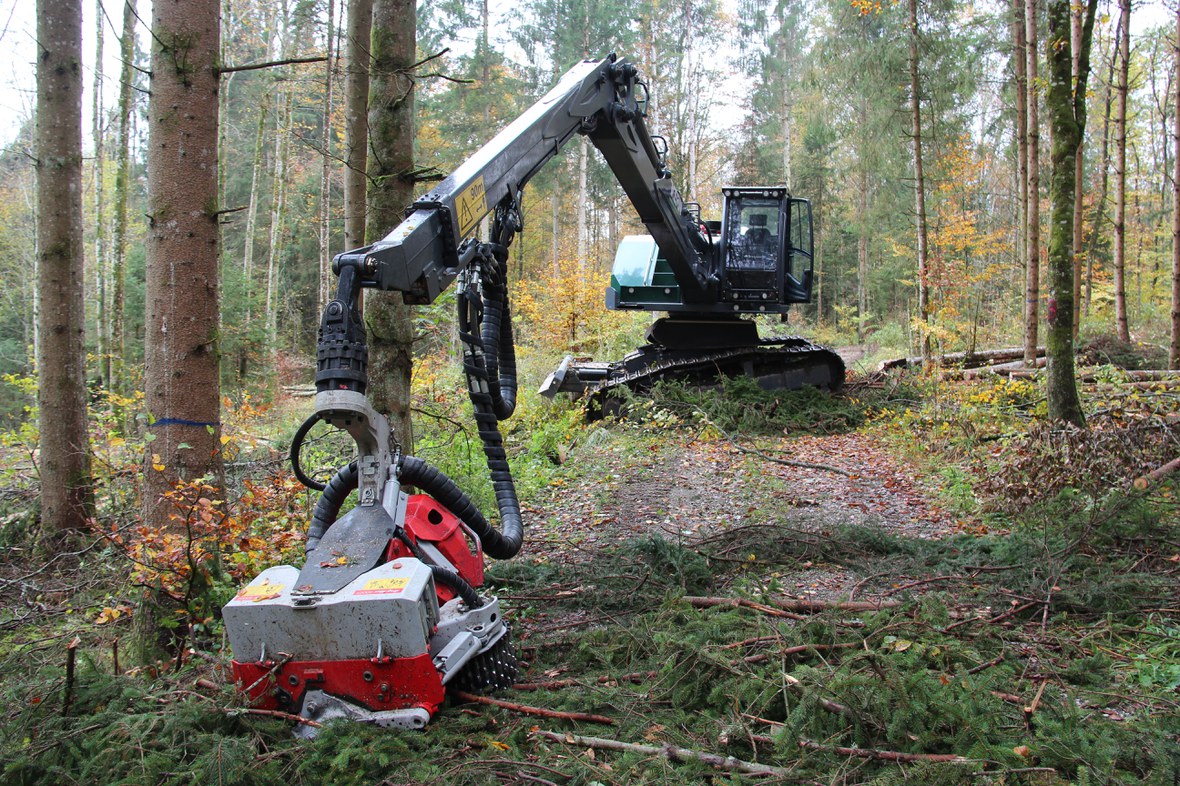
{"type": "Point", "coordinates": [387, 611]}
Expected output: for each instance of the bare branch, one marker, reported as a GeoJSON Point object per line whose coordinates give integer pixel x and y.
{"type": "Point", "coordinates": [270, 64]}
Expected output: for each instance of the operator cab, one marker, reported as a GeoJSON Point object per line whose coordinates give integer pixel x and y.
{"type": "Point", "coordinates": [766, 248]}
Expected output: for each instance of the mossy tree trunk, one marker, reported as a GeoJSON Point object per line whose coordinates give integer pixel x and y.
{"type": "Point", "coordinates": [356, 120]}
{"type": "Point", "coordinates": [1020, 85]}
{"type": "Point", "coordinates": [67, 497]}
{"type": "Point", "coordinates": [1076, 19]}
{"type": "Point", "coordinates": [1032, 282]}
{"type": "Point", "coordinates": [1174, 348]}
{"type": "Point", "coordinates": [391, 190]}
{"type": "Point", "coordinates": [182, 299]}
{"type": "Point", "coordinates": [1066, 106]}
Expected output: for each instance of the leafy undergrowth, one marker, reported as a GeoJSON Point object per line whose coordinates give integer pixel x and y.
{"type": "Point", "coordinates": [1037, 643]}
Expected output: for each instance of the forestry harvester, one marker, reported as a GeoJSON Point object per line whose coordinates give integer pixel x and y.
{"type": "Point", "coordinates": [387, 612]}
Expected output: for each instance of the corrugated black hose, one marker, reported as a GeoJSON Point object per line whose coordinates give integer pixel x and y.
{"type": "Point", "coordinates": [415, 472]}
{"type": "Point", "coordinates": [496, 334]}
{"type": "Point", "coordinates": [445, 576]}
{"type": "Point", "coordinates": [343, 483]}
{"type": "Point", "coordinates": [479, 386]}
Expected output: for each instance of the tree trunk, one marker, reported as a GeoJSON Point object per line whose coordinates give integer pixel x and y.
{"type": "Point", "coordinates": [862, 252]}
{"type": "Point", "coordinates": [278, 214]}
{"type": "Point", "coordinates": [785, 104]}
{"type": "Point", "coordinates": [555, 229]}
{"type": "Point", "coordinates": [1104, 183]}
{"type": "Point", "coordinates": [1020, 77]}
{"type": "Point", "coordinates": [819, 206]}
{"type": "Point", "coordinates": [67, 498]}
{"type": "Point", "coordinates": [223, 105]}
{"type": "Point", "coordinates": [182, 298]}
{"type": "Point", "coordinates": [356, 121]}
{"type": "Point", "coordinates": [1078, 169]}
{"type": "Point", "coordinates": [326, 278]}
{"type": "Point", "coordinates": [102, 323]}
{"type": "Point", "coordinates": [862, 233]}
{"type": "Point", "coordinates": [919, 184]}
{"type": "Point", "coordinates": [290, 40]}
{"type": "Point", "coordinates": [1120, 174]}
{"type": "Point", "coordinates": [1066, 106]}
{"type": "Point", "coordinates": [252, 209]}
{"type": "Point", "coordinates": [583, 200]}
{"type": "Point", "coordinates": [1174, 349]}
{"type": "Point", "coordinates": [1032, 283]}
{"type": "Point", "coordinates": [122, 183]}
{"type": "Point", "coordinates": [391, 149]}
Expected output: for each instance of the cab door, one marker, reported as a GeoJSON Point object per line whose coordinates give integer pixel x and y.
{"type": "Point", "coordinates": [754, 234]}
{"type": "Point", "coordinates": [797, 276]}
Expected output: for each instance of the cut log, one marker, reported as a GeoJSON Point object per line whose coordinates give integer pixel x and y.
{"type": "Point", "coordinates": [965, 359]}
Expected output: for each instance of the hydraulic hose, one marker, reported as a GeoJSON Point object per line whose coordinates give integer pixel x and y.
{"type": "Point", "coordinates": [449, 578]}
{"type": "Point", "coordinates": [445, 576]}
{"type": "Point", "coordinates": [501, 543]}
{"type": "Point", "coordinates": [416, 472]}
{"type": "Point", "coordinates": [484, 322]}
{"type": "Point", "coordinates": [480, 383]}
{"type": "Point", "coordinates": [496, 336]}
{"type": "Point", "coordinates": [328, 508]}
{"type": "Point", "coordinates": [296, 446]}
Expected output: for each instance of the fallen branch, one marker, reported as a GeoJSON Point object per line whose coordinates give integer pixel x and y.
{"type": "Point", "coordinates": [986, 666]}
{"type": "Point", "coordinates": [1031, 709]}
{"type": "Point", "coordinates": [999, 618]}
{"type": "Point", "coordinates": [965, 359]}
{"type": "Point", "coordinates": [527, 710]}
{"type": "Point", "coordinates": [869, 753]}
{"type": "Point", "coordinates": [270, 673]}
{"type": "Point", "coordinates": [829, 705]}
{"type": "Point", "coordinates": [672, 753]}
{"type": "Point", "coordinates": [550, 685]}
{"type": "Point", "coordinates": [71, 659]}
{"type": "Point", "coordinates": [289, 716]}
{"type": "Point", "coordinates": [747, 642]}
{"type": "Point", "coordinates": [634, 677]}
{"type": "Point", "coordinates": [707, 603]}
{"type": "Point", "coordinates": [791, 604]}
{"type": "Point", "coordinates": [794, 650]}
{"type": "Point", "coordinates": [921, 582]}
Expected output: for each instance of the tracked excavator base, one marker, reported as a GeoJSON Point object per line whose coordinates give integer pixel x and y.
{"type": "Point", "coordinates": [702, 353]}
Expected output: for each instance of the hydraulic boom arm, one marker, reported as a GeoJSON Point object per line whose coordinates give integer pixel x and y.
{"type": "Point", "coordinates": [424, 254]}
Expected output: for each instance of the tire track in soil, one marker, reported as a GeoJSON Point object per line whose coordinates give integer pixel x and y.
{"type": "Point", "coordinates": [685, 492]}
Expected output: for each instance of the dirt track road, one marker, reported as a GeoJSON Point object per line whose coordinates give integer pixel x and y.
{"type": "Point", "coordinates": [689, 491]}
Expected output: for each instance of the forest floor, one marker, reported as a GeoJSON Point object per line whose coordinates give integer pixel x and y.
{"type": "Point", "coordinates": [701, 603]}
{"type": "Point", "coordinates": [687, 492]}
